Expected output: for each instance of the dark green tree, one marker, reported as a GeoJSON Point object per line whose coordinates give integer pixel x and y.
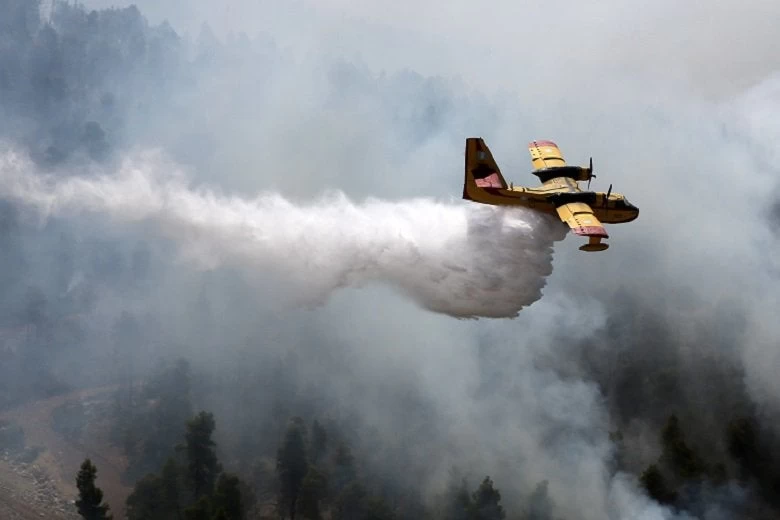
{"type": "Point", "coordinates": [89, 503]}
{"type": "Point", "coordinates": [344, 468]}
{"type": "Point", "coordinates": [227, 497]}
{"type": "Point", "coordinates": [221, 515]}
{"type": "Point", "coordinates": [655, 484]}
{"type": "Point", "coordinates": [146, 500]}
{"type": "Point", "coordinates": [350, 504]}
{"type": "Point", "coordinates": [743, 446]}
{"type": "Point", "coordinates": [169, 483]}
{"type": "Point", "coordinates": [487, 502]}
{"type": "Point", "coordinates": [150, 433]}
{"type": "Point", "coordinates": [313, 491]}
{"type": "Point", "coordinates": [378, 509]}
{"type": "Point", "coordinates": [200, 510]}
{"type": "Point", "coordinates": [754, 457]}
{"type": "Point", "coordinates": [202, 464]}
{"type": "Point", "coordinates": [156, 497]}
{"type": "Point", "coordinates": [292, 466]}
{"type": "Point", "coordinates": [677, 455]}
{"type": "Point", "coordinates": [457, 504]}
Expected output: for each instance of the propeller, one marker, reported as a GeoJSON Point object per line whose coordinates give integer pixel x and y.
{"type": "Point", "coordinates": [590, 169]}
{"type": "Point", "coordinates": [607, 197]}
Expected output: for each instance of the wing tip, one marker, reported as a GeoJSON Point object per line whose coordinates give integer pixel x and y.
{"type": "Point", "coordinates": [542, 142]}
{"type": "Point", "coordinates": [591, 231]}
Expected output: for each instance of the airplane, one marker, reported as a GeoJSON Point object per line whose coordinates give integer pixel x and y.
{"type": "Point", "coordinates": [583, 211]}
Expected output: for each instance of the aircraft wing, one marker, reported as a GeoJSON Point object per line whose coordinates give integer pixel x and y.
{"type": "Point", "coordinates": [580, 218]}
{"type": "Point", "coordinates": [545, 154]}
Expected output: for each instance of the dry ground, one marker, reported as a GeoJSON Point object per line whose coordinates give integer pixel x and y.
{"type": "Point", "coordinates": [57, 466]}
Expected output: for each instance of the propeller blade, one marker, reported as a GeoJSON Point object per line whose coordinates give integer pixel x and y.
{"type": "Point", "coordinates": [606, 199]}
{"type": "Point", "coordinates": [590, 171]}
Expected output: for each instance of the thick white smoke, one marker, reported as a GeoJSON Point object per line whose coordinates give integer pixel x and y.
{"type": "Point", "coordinates": [458, 259]}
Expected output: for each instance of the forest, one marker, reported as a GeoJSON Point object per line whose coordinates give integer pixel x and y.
{"type": "Point", "coordinates": [225, 410]}
{"type": "Point", "coordinates": [307, 469]}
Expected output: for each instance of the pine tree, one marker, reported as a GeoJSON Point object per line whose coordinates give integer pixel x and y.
{"type": "Point", "coordinates": [202, 464]}
{"type": "Point", "coordinates": [743, 446]}
{"type": "Point", "coordinates": [292, 465]}
{"type": "Point", "coordinates": [146, 500]}
{"type": "Point", "coordinates": [313, 491]}
{"type": "Point", "coordinates": [654, 483]}
{"type": "Point", "coordinates": [344, 472]}
{"type": "Point", "coordinates": [156, 497]}
{"type": "Point", "coordinates": [486, 502]}
{"type": "Point", "coordinates": [683, 460]}
{"type": "Point", "coordinates": [350, 504]}
{"type": "Point", "coordinates": [169, 487]}
{"type": "Point", "coordinates": [200, 510]}
{"type": "Point", "coordinates": [377, 509]}
{"type": "Point", "coordinates": [457, 504]}
{"type": "Point", "coordinates": [90, 499]}
{"type": "Point", "coordinates": [227, 497]}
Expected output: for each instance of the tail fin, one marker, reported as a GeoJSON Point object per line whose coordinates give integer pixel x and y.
{"type": "Point", "coordinates": [482, 172]}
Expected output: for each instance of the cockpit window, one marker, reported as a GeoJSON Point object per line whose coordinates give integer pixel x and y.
{"type": "Point", "coordinates": [622, 203]}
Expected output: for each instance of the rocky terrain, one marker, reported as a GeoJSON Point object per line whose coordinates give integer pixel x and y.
{"type": "Point", "coordinates": [27, 491]}
{"type": "Point", "coordinates": [40, 454]}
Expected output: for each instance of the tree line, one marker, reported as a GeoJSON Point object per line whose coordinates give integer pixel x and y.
{"type": "Point", "coordinates": [316, 476]}
{"type": "Point", "coordinates": [314, 479]}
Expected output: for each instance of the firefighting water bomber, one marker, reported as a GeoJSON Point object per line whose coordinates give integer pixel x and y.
{"type": "Point", "coordinates": [559, 193]}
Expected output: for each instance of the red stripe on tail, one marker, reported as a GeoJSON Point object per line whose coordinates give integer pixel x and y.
{"type": "Point", "coordinates": [491, 181]}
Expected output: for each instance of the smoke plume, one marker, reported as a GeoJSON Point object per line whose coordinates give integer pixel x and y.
{"type": "Point", "coordinates": [455, 259]}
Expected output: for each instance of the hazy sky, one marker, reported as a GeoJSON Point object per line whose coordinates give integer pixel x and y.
{"type": "Point", "coordinates": [716, 49]}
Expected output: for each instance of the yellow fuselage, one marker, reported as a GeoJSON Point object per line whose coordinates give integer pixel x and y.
{"type": "Point", "coordinates": [617, 209]}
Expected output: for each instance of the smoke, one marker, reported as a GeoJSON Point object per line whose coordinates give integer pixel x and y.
{"type": "Point", "coordinates": [454, 259]}
{"type": "Point", "coordinates": [348, 97]}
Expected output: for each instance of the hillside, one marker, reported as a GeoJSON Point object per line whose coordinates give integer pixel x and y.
{"type": "Point", "coordinates": [38, 478]}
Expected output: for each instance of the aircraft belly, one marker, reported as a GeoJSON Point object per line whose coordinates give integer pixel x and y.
{"type": "Point", "coordinates": [501, 197]}
{"type": "Point", "coordinates": [613, 217]}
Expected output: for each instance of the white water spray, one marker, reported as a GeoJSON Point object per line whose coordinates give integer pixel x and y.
{"type": "Point", "coordinates": [463, 260]}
